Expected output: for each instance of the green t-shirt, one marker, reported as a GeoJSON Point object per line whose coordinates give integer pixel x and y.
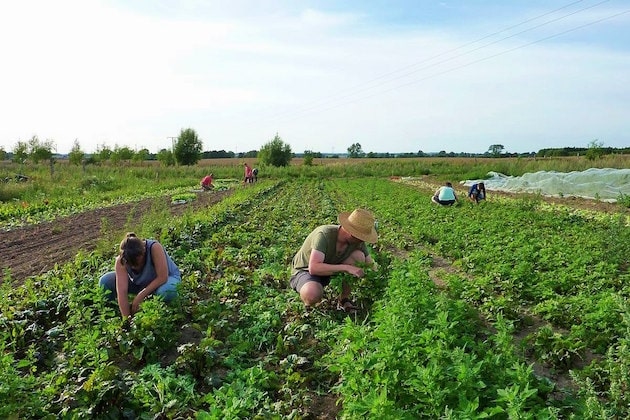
{"type": "Point", "coordinates": [323, 239]}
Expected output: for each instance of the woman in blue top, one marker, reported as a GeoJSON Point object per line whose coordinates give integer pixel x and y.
{"type": "Point", "coordinates": [477, 192]}
{"type": "Point", "coordinates": [143, 267]}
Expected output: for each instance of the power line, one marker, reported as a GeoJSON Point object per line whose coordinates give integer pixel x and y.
{"type": "Point", "coordinates": [362, 87]}
{"type": "Point", "coordinates": [323, 106]}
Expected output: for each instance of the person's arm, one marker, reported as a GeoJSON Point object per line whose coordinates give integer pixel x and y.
{"type": "Point", "coordinates": [122, 288]}
{"type": "Point", "coordinates": [158, 257]}
{"type": "Point", "coordinates": [317, 266]}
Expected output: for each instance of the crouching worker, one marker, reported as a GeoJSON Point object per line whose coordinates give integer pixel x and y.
{"type": "Point", "coordinates": [206, 183]}
{"type": "Point", "coordinates": [477, 192]}
{"type": "Point", "coordinates": [332, 249]}
{"type": "Point", "coordinates": [143, 267]}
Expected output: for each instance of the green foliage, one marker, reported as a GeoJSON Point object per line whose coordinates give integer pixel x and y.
{"type": "Point", "coordinates": [188, 147]}
{"type": "Point", "coordinates": [75, 157]}
{"type": "Point", "coordinates": [238, 342]}
{"type": "Point", "coordinates": [595, 150]}
{"type": "Point", "coordinates": [275, 152]}
{"type": "Point", "coordinates": [103, 153]}
{"type": "Point", "coordinates": [166, 157]}
{"type": "Point", "coordinates": [496, 149]}
{"type": "Point", "coordinates": [308, 158]}
{"type": "Point", "coordinates": [355, 151]}
{"type": "Point", "coordinates": [20, 152]}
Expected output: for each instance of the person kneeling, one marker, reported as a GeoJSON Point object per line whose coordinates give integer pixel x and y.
{"type": "Point", "coordinates": [206, 183]}
{"type": "Point", "coordinates": [445, 195]}
{"type": "Point", "coordinates": [477, 192]}
{"type": "Point", "coordinates": [143, 267]}
{"type": "Point", "coordinates": [332, 249]}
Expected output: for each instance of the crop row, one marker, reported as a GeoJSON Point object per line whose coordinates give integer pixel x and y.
{"type": "Point", "coordinates": [239, 344]}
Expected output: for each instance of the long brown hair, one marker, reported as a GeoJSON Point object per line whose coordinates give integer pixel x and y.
{"type": "Point", "coordinates": [131, 249]}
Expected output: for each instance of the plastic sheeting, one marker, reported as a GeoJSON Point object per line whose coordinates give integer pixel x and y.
{"type": "Point", "coordinates": [605, 184]}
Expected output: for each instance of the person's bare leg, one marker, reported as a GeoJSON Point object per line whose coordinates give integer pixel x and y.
{"type": "Point", "coordinates": [311, 293]}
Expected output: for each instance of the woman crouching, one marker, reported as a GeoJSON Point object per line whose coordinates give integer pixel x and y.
{"type": "Point", "coordinates": [143, 268]}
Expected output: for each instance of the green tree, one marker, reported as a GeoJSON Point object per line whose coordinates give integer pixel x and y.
{"type": "Point", "coordinates": [103, 153]}
{"type": "Point", "coordinates": [165, 157]}
{"type": "Point", "coordinates": [141, 155]}
{"type": "Point", "coordinates": [355, 151]}
{"type": "Point", "coordinates": [3, 154]}
{"type": "Point", "coordinates": [275, 152]}
{"type": "Point", "coordinates": [40, 150]}
{"type": "Point", "coordinates": [76, 155]}
{"type": "Point", "coordinates": [120, 154]}
{"type": "Point", "coordinates": [308, 157]}
{"type": "Point", "coordinates": [188, 147]}
{"type": "Point", "coordinates": [595, 150]}
{"type": "Point", "coordinates": [496, 149]}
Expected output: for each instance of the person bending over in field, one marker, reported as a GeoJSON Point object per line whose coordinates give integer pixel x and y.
{"type": "Point", "coordinates": [477, 192]}
{"type": "Point", "coordinates": [249, 175]}
{"type": "Point", "coordinates": [144, 268]}
{"type": "Point", "coordinates": [445, 195]}
{"type": "Point", "coordinates": [332, 249]}
{"type": "Point", "coordinates": [206, 182]}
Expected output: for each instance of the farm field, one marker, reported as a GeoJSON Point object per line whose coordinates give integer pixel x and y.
{"type": "Point", "coordinates": [516, 308]}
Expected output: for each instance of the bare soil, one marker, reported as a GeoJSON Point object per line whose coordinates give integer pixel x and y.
{"type": "Point", "coordinates": [35, 249]}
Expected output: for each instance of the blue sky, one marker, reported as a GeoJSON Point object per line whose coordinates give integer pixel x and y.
{"type": "Point", "coordinates": [394, 76]}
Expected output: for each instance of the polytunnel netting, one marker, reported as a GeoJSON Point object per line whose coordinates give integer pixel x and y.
{"type": "Point", "coordinates": [605, 184]}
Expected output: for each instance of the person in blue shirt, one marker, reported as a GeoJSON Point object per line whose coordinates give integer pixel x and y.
{"type": "Point", "coordinates": [143, 268]}
{"type": "Point", "coordinates": [445, 195]}
{"type": "Point", "coordinates": [477, 192]}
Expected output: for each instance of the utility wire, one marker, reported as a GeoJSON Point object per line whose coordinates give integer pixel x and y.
{"type": "Point", "coordinates": [482, 59]}
{"type": "Point", "coordinates": [366, 86]}
{"type": "Point", "coordinates": [360, 87]}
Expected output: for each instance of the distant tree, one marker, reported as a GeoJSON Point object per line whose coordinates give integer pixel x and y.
{"type": "Point", "coordinates": [308, 158]}
{"type": "Point", "coordinates": [496, 149]}
{"type": "Point", "coordinates": [442, 153]}
{"type": "Point", "coordinates": [141, 155]}
{"type": "Point", "coordinates": [103, 153]}
{"type": "Point", "coordinates": [595, 150]}
{"type": "Point", "coordinates": [120, 154]}
{"type": "Point", "coordinates": [275, 152]}
{"type": "Point", "coordinates": [20, 152]}
{"type": "Point", "coordinates": [76, 155]}
{"type": "Point", "coordinates": [165, 157]}
{"type": "Point", "coordinates": [40, 150]}
{"type": "Point", "coordinates": [218, 154]}
{"type": "Point", "coordinates": [355, 151]}
{"type": "Point", "coordinates": [188, 147]}
{"type": "Point", "coordinates": [3, 154]}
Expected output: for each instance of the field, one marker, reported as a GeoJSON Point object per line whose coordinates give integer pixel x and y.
{"type": "Point", "coordinates": [516, 308]}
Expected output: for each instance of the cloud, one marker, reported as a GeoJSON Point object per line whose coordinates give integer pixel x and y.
{"type": "Point", "coordinates": [322, 79]}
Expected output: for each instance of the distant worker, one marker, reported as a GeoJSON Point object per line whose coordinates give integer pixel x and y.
{"type": "Point", "coordinates": [255, 173]}
{"type": "Point", "coordinates": [206, 182]}
{"type": "Point", "coordinates": [249, 175]}
{"type": "Point", "coordinates": [477, 192]}
{"type": "Point", "coordinates": [445, 195]}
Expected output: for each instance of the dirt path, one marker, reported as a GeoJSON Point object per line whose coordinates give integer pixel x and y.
{"type": "Point", "coordinates": [35, 249]}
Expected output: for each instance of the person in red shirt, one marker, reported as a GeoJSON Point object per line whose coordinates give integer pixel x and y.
{"type": "Point", "coordinates": [206, 182]}
{"type": "Point", "coordinates": [249, 175]}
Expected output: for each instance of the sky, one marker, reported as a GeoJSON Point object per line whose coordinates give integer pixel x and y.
{"type": "Point", "coordinates": [394, 76]}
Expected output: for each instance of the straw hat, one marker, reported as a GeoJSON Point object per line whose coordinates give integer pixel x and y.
{"type": "Point", "coordinates": [360, 224]}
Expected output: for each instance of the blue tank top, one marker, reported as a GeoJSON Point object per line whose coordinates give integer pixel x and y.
{"type": "Point", "coordinates": [148, 273]}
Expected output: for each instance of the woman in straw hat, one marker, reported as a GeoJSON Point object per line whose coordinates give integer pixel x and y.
{"type": "Point", "coordinates": [332, 249]}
